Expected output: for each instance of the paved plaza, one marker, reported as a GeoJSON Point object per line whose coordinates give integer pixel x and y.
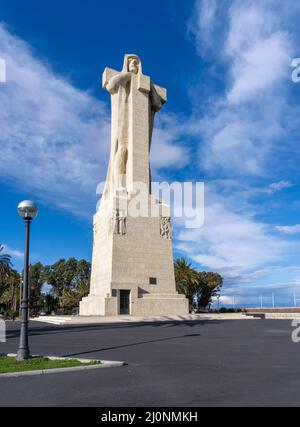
{"type": "Point", "coordinates": [188, 363]}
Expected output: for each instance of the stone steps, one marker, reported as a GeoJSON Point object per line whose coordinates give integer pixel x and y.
{"type": "Point", "coordinates": [76, 320]}
{"type": "Point", "coordinates": [54, 320]}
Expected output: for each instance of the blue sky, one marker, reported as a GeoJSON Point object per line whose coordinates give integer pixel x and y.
{"type": "Point", "coordinates": [232, 120]}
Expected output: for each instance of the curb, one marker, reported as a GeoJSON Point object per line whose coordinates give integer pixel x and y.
{"type": "Point", "coordinates": [103, 365]}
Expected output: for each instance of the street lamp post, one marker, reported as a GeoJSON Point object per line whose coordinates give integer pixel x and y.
{"type": "Point", "coordinates": [28, 211]}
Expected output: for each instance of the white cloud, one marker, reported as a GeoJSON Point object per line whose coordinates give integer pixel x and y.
{"type": "Point", "coordinates": [243, 133]}
{"type": "Point", "coordinates": [167, 147]}
{"type": "Point", "coordinates": [242, 126]}
{"type": "Point", "coordinates": [257, 70]}
{"type": "Point", "coordinates": [203, 22]}
{"type": "Point", "coordinates": [50, 131]}
{"type": "Point", "coordinates": [55, 138]}
{"type": "Point", "coordinates": [279, 186]}
{"type": "Point", "coordinates": [264, 272]}
{"type": "Point", "coordinates": [231, 240]}
{"type": "Point", "coordinates": [288, 229]}
{"type": "Point", "coordinates": [13, 252]}
{"type": "Point", "coordinates": [234, 243]}
{"type": "Point", "coordinates": [258, 50]}
{"type": "Point", "coordinates": [233, 145]}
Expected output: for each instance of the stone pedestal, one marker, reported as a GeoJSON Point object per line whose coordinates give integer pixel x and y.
{"type": "Point", "coordinates": [139, 261]}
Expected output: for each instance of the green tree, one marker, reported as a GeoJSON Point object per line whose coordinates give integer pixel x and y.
{"type": "Point", "coordinates": [209, 285]}
{"type": "Point", "coordinates": [72, 298]}
{"type": "Point", "coordinates": [69, 280]}
{"type": "Point", "coordinates": [5, 277]}
{"type": "Point", "coordinates": [199, 287]}
{"type": "Point", "coordinates": [5, 259]}
{"type": "Point", "coordinates": [10, 295]}
{"type": "Point", "coordinates": [60, 275]}
{"type": "Point", "coordinates": [50, 302]}
{"type": "Point", "coordinates": [37, 280]}
{"type": "Point", "coordinates": [186, 278]}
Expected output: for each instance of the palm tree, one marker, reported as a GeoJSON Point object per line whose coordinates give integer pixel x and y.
{"type": "Point", "coordinates": [186, 278]}
{"type": "Point", "coordinates": [5, 259]}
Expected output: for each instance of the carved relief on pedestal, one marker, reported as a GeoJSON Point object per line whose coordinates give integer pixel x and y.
{"type": "Point", "coordinates": [119, 223]}
{"type": "Point", "coordinates": [165, 228]}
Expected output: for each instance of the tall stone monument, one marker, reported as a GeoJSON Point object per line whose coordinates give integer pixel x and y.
{"type": "Point", "coordinates": [132, 267]}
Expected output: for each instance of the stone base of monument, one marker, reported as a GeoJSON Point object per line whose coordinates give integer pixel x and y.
{"type": "Point", "coordinates": [146, 305]}
{"type": "Point", "coordinates": [132, 268]}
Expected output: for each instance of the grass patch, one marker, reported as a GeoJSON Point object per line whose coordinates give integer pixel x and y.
{"type": "Point", "coordinates": [10, 364]}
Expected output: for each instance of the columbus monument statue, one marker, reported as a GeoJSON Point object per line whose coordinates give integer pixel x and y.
{"type": "Point", "coordinates": [132, 267]}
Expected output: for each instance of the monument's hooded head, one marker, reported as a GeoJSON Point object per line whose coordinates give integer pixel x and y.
{"type": "Point", "coordinates": [132, 63]}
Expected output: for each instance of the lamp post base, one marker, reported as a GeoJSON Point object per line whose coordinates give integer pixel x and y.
{"type": "Point", "coordinates": [23, 354]}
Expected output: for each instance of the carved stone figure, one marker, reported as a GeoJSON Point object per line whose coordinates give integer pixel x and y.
{"type": "Point", "coordinates": [119, 223]}
{"type": "Point", "coordinates": [166, 228]}
{"type": "Point", "coordinates": [119, 85]}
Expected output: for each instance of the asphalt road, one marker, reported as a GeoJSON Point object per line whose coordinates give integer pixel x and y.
{"type": "Point", "coordinates": [200, 363]}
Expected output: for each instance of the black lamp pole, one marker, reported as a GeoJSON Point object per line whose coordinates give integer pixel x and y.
{"type": "Point", "coordinates": [24, 352]}
{"type": "Point", "coordinates": [28, 211]}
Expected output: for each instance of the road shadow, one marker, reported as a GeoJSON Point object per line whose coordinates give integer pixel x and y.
{"type": "Point", "coordinates": [13, 331]}
{"type": "Point", "coordinates": [131, 345]}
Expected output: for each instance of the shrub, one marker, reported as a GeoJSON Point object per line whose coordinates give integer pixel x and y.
{"type": "Point", "coordinates": [12, 314]}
